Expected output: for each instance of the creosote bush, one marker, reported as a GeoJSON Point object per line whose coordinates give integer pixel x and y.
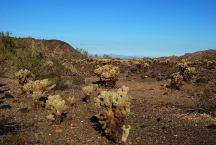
{"type": "Point", "coordinates": [114, 108]}
{"type": "Point", "coordinates": [69, 68]}
{"type": "Point", "coordinates": [108, 74]}
{"type": "Point", "coordinates": [29, 58]}
{"type": "Point", "coordinates": [22, 76]}
{"type": "Point", "coordinates": [56, 106]}
{"type": "Point", "coordinates": [207, 98]}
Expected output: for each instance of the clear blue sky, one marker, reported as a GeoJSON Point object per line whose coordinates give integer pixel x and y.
{"type": "Point", "coordinates": [126, 27]}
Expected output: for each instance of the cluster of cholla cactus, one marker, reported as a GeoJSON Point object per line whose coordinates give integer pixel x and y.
{"type": "Point", "coordinates": [185, 70]}
{"type": "Point", "coordinates": [114, 108]}
{"type": "Point", "coordinates": [108, 74]}
{"type": "Point", "coordinates": [185, 73]}
{"type": "Point", "coordinates": [22, 76]}
{"type": "Point", "coordinates": [209, 63]}
{"type": "Point", "coordinates": [56, 106]}
{"type": "Point", "coordinates": [38, 88]}
{"type": "Point", "coordinates": [176, 81]}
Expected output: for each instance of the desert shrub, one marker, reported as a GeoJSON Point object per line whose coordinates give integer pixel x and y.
{"type": "Point", "coordinates": [6, 51]}
{"type": "Point", "coordinates": [52, 67]}
{"type": "Point", "coordinates": [29, 59]}
{"type": "Point", "coordinates": [7, 42]}
{"type": "Point", "coordinates": [69, 69]}
{"type": "Point", "coordinates": [68, 82]}
{"type": "Point", "coordinates": [56, 106]}
{"type": "Point", "coordinates": [62, 72]}
{"type": "Point", "coordinates": [176, 81]}
{"type": "Point", "coordinates": [207, 98]}
{"type": "Point", "coordinates": [22, 76]}
{"type": "Point", "coordinates": [108, 73]}
{"type": "Point", "coordinates": [38, 89]}
{"type": "Point", "coordinates": [48, 64]}
{"type": "Point", "coordinates": [83, 52]}
{"type": "Point", "coordinates": [114, 108]}
{"type": "Point", "coordinates": [185, 70]}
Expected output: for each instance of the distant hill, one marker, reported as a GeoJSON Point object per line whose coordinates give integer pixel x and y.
{"type": "Point", "coordinates": [50, 46]}
{"type": "Point", "coordinates": [211, 53]}
{"type": "Point", "coordinates": [45, 46]}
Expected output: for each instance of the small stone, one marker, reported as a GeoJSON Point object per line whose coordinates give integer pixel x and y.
{"type": "Point", "coordinates": [59, 130]}
{"type": "Point", "coordinates": [24, 110]}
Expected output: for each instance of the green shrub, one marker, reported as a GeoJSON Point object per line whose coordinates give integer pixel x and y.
{"type": "Point", "coordinates": [29, 59]}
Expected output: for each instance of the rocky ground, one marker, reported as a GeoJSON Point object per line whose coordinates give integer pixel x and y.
{"type": "Point", "coordinates": [159, 115]}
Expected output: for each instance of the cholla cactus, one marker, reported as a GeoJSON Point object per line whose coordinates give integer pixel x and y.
{"type": "Point", "coordinates": [146, 65]}
{"type": "Point", "coordinates": [115, 107]}
{"type": "Point", "coordinates": [22, 76]}
{"type": "Point", "coordinates": [136, 61]}
{"type": "Point", "coordinates": [108, 73]}
{"type": "Point", "coordinates": [209, 63]}
{"type": "Point", "coordinates": [37, 95]}
{"type": "Point", "coordinates": [176, 80]}
{"type": "Point", "coordinates": [38, 85]}
{"type": "Point", "coordinates": [57, 106]}
{"type": "Point", "coordinates": [185, 70]}
{"type": "Point", "coordinates": [38, 88]}
{"type": "Point", "coordinates": [71, 100]}
{"type": "Point", "coordinates": [87, 91]}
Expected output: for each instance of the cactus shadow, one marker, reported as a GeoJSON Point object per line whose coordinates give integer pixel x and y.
{"type": "Point", "coordinates": [8, 126]}
{"type": "Point", "coordinates": [96, 125]}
